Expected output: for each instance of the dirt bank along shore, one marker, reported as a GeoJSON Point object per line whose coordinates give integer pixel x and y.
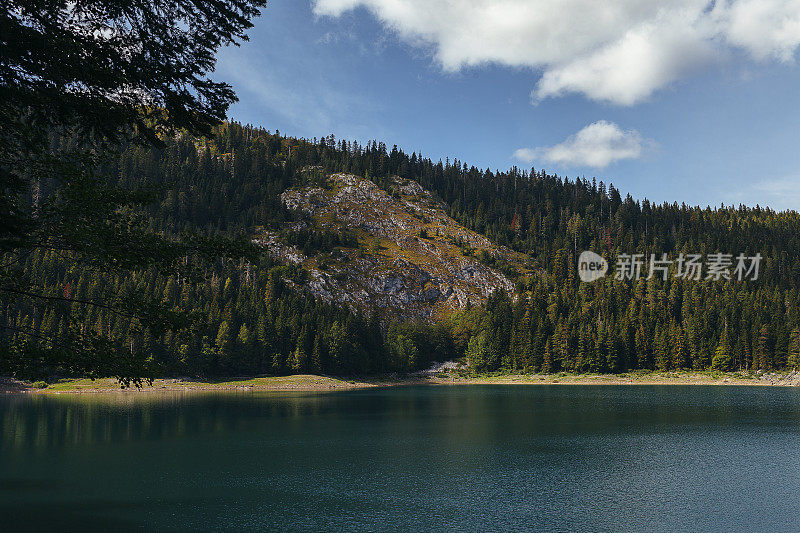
{"type": "Point", "coordinates": [307, 382]}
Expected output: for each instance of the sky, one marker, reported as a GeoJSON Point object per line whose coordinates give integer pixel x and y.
{"type": "Point", "coordinates": [679, 101]}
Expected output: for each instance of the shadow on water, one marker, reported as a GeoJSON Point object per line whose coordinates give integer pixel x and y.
{"type": "Point", "coordinates": [89, 515]}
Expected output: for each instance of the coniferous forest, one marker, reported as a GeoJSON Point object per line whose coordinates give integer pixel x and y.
{"type": "Point", "coordinates": [248, 316]}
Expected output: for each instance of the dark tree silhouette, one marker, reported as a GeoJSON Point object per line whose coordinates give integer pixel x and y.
{"type": "Point", "coordinates": [77, 81]}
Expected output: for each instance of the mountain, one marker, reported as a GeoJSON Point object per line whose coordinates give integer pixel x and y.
{"type": "Point", "coordinates": [407, 257]}
{"type": "Point", "coordinates": [377, 260]}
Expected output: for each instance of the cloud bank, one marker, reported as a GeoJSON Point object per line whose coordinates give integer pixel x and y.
{"type": "Point", "coordinates": [616, 51]}
{"type": "Point", "coordinates": [597, 145]}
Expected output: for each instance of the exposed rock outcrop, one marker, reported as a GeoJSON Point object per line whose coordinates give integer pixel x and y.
{"type": "Point", "coordinates": [413, 260]}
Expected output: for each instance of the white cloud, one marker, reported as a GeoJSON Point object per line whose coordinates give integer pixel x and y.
{"type": "Point", "coordinates": [780, 194]}
{"type": "Point", "coordinates": [763, 27]}
{"type": "Point", "coordinates": [618, 51]}
{"type": "Point", "coordinates": [526, 155]}
{"type": "Point", "coordinates": [631, 69]}
{"type": "Point", "coordinates": [597, 145]}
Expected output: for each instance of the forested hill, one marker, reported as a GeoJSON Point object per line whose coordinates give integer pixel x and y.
{"type": "Point", "coordinates": [233, 183]}
{"type": "Point", "coordinates": [258, 318]}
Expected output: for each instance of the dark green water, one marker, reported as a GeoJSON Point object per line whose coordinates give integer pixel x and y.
{"type": "Point", "coordinates": [542, 458]}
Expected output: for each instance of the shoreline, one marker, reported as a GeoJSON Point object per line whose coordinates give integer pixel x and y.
{"type": "Point", "coordinates": [315, 383]}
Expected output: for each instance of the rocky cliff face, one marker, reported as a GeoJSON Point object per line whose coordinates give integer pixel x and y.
{"type": "Point", "coordinates": [412, 260]}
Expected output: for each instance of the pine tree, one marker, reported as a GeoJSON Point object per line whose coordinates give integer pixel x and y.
{"type": "Point", "coordinates": [722, 355]}
{"type": "Point", "coordinates": [794, 349]}
{"type": "Point", "coordinates": [478, 353]}
{"type": "Point", "coordinates": [764, 349]}
{"type": "Point", "coordinates": [547, 360]}
{"type": "Point", "coordinates": [316, 356]}
{"type": "Point", "coordinates": [223, 340]}
{"type": "Point", "coordinates": [299, 360]}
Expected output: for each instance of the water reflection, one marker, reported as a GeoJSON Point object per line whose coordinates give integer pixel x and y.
{"type": "Point", "coordinates": [416, 458]}
{"type": "Point", "coordinates": [34, 422]}
{"type": "Point", "coordinates": [38, 422]}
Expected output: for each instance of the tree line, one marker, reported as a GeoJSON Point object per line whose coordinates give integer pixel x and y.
{"type": "Point", "coordinates": [252, 316]}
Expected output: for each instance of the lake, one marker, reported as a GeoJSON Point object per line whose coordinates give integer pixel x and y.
{"type": "Point", "coordinates": [544, 458]}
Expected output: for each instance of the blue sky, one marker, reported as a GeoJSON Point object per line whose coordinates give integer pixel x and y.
{"type": "Point", "coordinates": [697, 104]}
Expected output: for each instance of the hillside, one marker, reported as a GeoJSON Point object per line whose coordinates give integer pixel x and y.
{"type": "Point", "coordinates": [362, 237]}
{"type": "Point", "coordinates": [410, 260]}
